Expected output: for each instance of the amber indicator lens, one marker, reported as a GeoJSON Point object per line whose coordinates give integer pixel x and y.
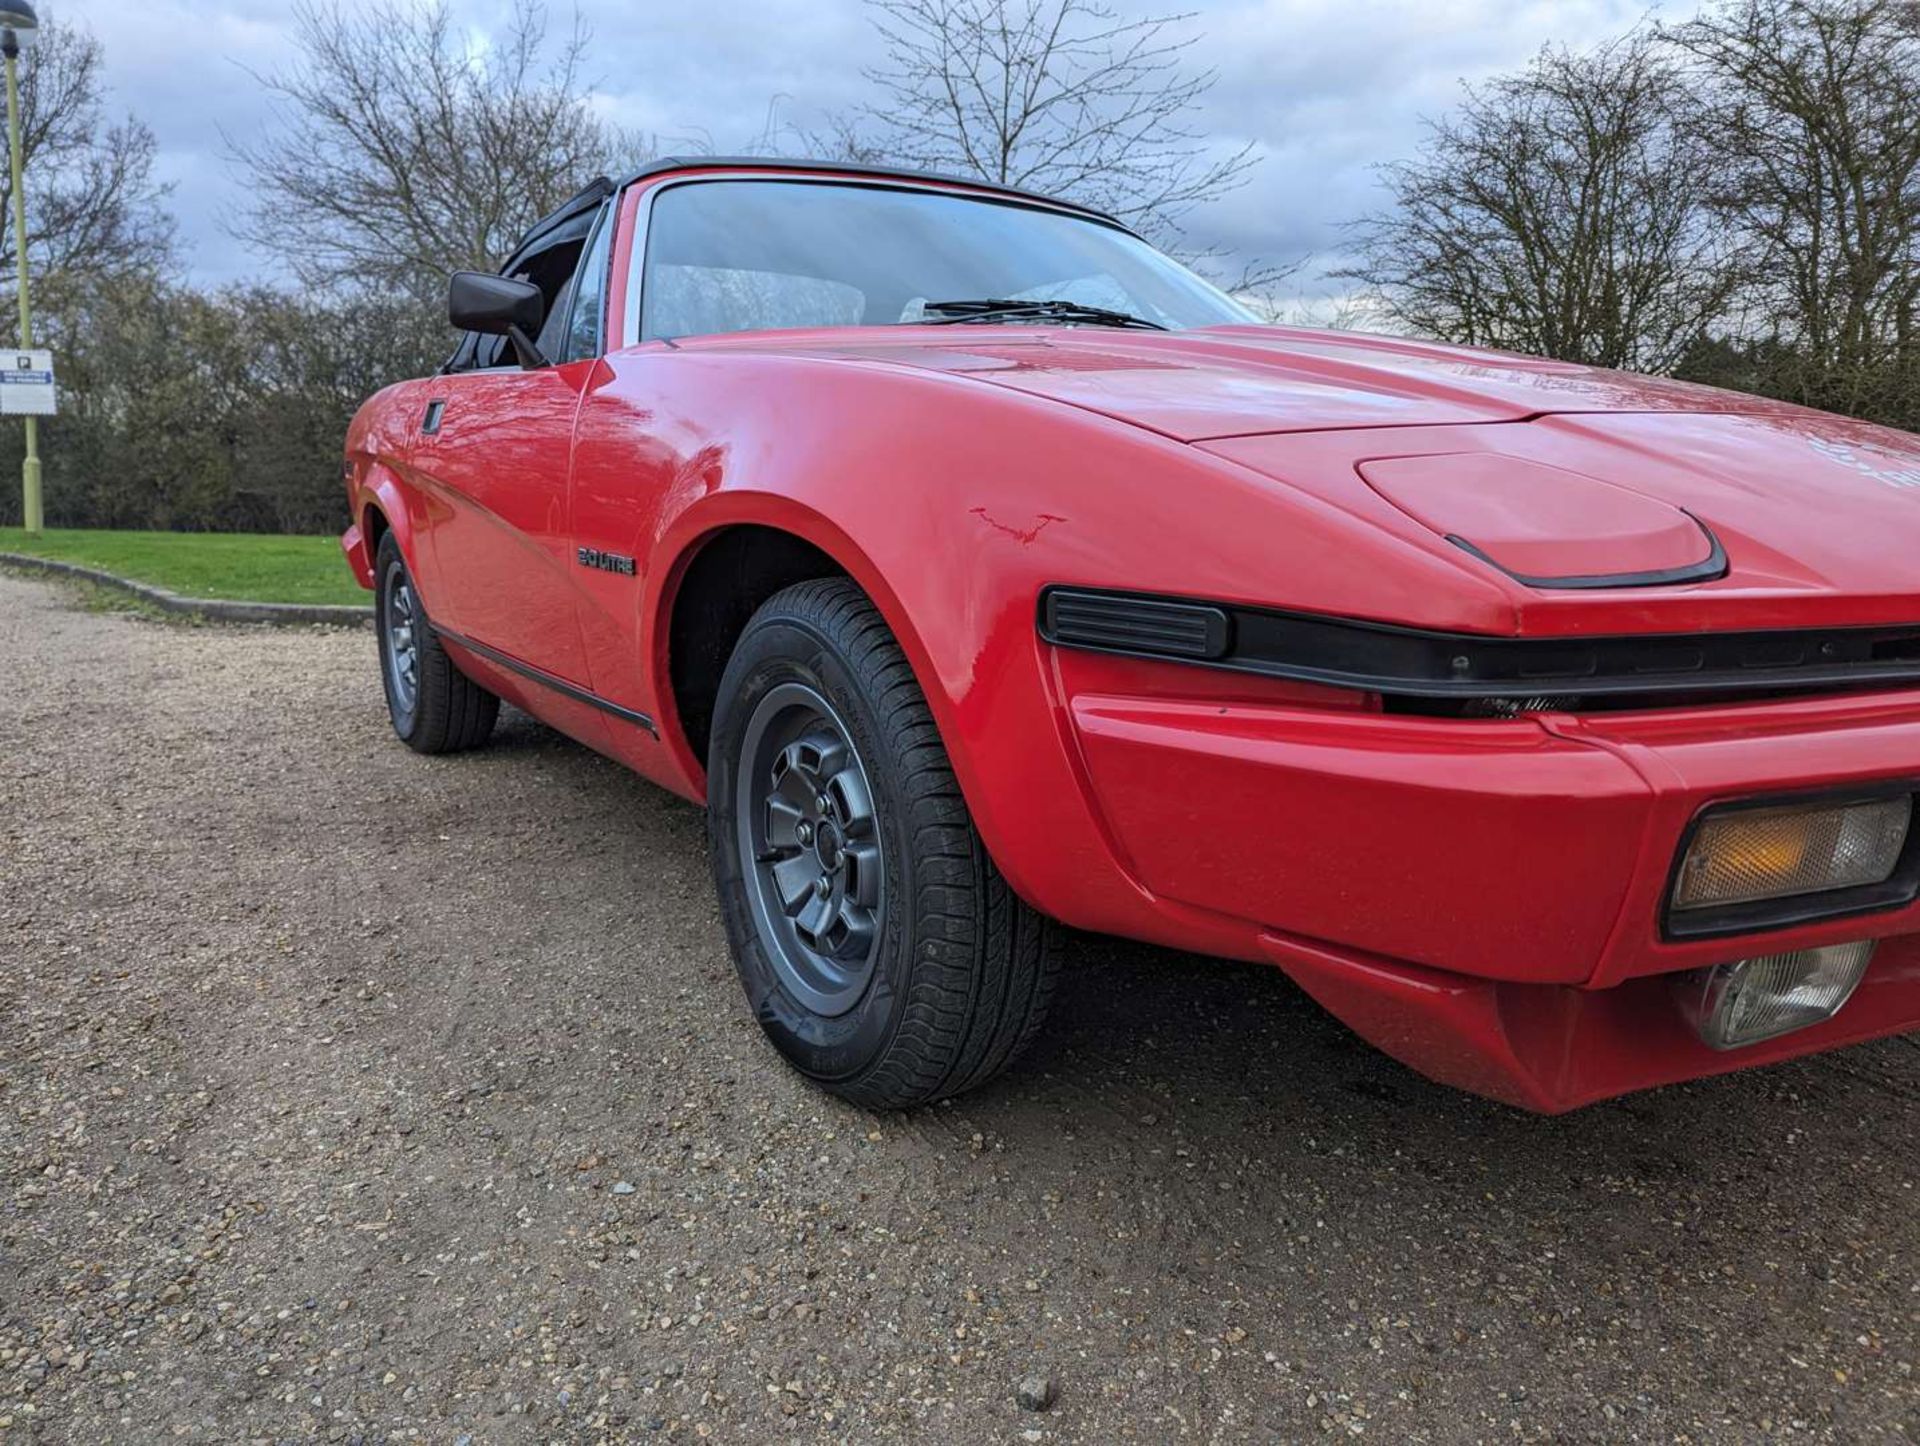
{"type": "Point", "coordinates": [1742, 856]}
{"type": "Point", "coordinates": [1734, 1004]}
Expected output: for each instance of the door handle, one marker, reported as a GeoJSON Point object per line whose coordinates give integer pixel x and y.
{"type": "Point", "coordinates": [430, 423]}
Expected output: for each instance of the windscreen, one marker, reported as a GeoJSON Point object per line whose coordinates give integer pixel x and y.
{"type": "Point", "coordinates": [751, 255]}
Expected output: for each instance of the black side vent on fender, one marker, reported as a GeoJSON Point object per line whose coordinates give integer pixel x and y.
{"type": "Point", "coordinates": [1133, 625]}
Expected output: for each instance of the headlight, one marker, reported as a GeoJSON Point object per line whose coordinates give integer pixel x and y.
{"type": "Point", "coordinates": [1746, 855]}
{"type": "Point", "coordinates": [1734, 1004]}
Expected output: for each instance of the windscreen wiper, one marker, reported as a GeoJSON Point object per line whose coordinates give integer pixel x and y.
{"type": "Point", "coordinates": [947, 313]}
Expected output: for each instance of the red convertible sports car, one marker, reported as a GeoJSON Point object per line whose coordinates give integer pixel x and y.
{"type": "Point", "coordinates": [980, 567]}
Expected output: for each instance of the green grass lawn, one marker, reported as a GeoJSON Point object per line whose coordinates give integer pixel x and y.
{"type": "Point", "coordinates": [206, 564]}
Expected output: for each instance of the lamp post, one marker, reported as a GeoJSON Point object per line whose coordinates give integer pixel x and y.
{"type": "Point", "coordinates": [19, 27]}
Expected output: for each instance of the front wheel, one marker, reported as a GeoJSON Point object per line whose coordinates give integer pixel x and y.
{"type": "Point", "coordinates": [879, 947]}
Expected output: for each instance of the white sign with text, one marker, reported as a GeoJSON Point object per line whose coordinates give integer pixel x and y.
{"type": "Point", "coordinates": [26, 384]}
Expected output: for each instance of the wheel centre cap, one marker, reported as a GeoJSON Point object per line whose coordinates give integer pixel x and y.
{"type": "Point", "coordinates": [826, 843]}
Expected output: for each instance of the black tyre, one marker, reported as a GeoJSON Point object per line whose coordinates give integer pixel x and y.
{"type": "Point", "coordinates": [880, 949]}
{"type": "Point", "coordinates": [434, 706]}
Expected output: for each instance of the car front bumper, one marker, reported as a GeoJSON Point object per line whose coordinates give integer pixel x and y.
{"type": "Point", "coordinates": [1552, 1048]}
{"type": "Point", "coordinates": [1483, 900]}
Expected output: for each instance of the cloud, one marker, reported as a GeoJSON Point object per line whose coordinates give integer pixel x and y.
{"type": "Point", "coordinates": [1324, 89]}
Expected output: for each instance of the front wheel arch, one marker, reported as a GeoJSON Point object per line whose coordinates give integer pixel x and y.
{"type": "Point", "coordinates": [950, 975]}
{"type": "Point", "coordinates": [936, 655]}
{"type": "Point", "coordinates": [722, 582]}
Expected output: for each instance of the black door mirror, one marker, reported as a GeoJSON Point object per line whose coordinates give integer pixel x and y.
{"type": "Point", "coordinates": [499, 306]}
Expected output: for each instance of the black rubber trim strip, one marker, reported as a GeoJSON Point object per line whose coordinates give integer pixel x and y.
{"type": "Point", "coordinates": [583, 202]}
{"type": "Point", "coordinates": [1722, 921]}
{"type": "Point", "coordinates": [1711, 568]}
{"type": "Point", "coordinates": [855, 170]}
{"type": "Point", "coordinates": [547, 680]}
{"type": "Point", "coordinates": [1408, 662]}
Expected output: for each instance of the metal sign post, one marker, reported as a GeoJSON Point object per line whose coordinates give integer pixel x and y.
{"type": "Point", "coordinates": [18, 28]}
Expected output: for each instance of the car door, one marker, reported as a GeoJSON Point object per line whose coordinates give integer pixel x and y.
{"type": "Point", "coordinates": [494, 446]}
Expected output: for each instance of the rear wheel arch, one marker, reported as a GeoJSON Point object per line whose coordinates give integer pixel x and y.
{"type": "Point", "coordinates": [382, 509]}
{"type": "Point", "coordinates": [373, 526]}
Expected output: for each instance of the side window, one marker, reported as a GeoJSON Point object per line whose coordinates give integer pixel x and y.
{"type": "Point", "coordinates": [553, 272]}
{"type": "Point", "coordinates": [486, 351]}
{"type": "Point", "coordinates": [586, 331]}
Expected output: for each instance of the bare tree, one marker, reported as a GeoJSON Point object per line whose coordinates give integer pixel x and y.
{"type": "Point", "coordinates": [1558, 211]}
{"type": "Point", "coordinates": [1812, 111]}
{"type": "Point", "coordinates": [1060, 96]}
{"type": "Point", "coordinates": [404, 153]}
{"type": "Point", "coordinates": [93, 207]}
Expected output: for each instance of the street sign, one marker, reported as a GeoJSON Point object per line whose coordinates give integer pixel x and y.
{"type": "Point", "coordinates": [26, 384]}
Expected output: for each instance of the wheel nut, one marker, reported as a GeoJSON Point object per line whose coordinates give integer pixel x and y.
{"type": "Point", "coordinates": [804, 833]}
{"type": "Point", "coordinates": [823, 886]}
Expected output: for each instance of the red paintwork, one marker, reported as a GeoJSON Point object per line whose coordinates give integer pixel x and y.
{"type": "Point", "coordinates": [1539, 521]}
{"type": "Point", "coordinates": [353, 543]}
{"type": "Point", "coordinates": [1555, 1049]}
{"type": "Point", "coordinates": [1479, 898]}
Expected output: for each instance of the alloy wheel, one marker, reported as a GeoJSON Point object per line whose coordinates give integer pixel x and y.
{"type": "Point", "coordinates": [403, 652]}
{"type": "Point", "coordinates": [809, 832]}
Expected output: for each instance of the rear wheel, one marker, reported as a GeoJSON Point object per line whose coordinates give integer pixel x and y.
{"type": "Point", "coordinates": [435, 708]}
{"type": "Point", "coordinates": [879, 947]}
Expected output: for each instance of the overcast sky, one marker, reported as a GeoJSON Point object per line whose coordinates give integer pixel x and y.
{"type": "Point", "coordinates": [1323, 88]}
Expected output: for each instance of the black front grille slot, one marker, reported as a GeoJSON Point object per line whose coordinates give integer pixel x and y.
{"type": "Point", "coordinates": [1418, 670]}
{"type": "Point", "coordinates": [1897, 650]}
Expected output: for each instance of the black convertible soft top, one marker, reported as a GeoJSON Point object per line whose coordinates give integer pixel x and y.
{"type": "Point", "coordinates": [854, 168]}
{"type": "Point", "coordinates": [577, 212]}
{"type": "Point", "coordinates": [573, 217]}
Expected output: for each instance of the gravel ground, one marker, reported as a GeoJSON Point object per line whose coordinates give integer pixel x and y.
{"type": "Point", "coordinates": [351, 1095]}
